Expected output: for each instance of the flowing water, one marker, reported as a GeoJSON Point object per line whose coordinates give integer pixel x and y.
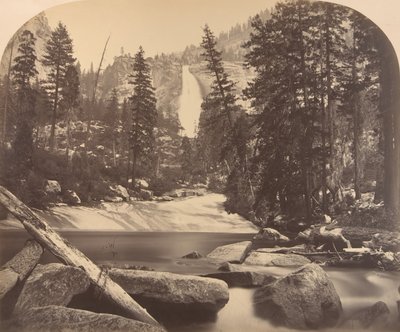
{"type": "Point", "coordinates": [190, 102]}
{"type": "Point", "coordinates": [162, 248]}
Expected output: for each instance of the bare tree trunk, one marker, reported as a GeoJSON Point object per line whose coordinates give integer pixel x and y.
{"type": "Point", "coordinates": [89, 123]}
{"type": "Point", "coordinates": [52, 140]}
{"type": "Point", "coordinates": [68, 138]}
{"type": "Point", "coordinates": [68, 254]}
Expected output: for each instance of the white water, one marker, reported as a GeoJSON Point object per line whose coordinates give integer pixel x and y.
{"type": "Point", "coordinates": [193, 214]}
{"type": "Point", "coordinates": [190, 103]}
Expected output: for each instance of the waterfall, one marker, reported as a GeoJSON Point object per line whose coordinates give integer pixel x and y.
{"type": "Point", "coordinates": [190, 103]}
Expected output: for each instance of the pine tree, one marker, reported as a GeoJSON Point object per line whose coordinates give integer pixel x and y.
{"type": "Point", "coordinates": [23, 71]}
{"type": "Point", "coordinates": [219, 106]}
{"type": "Point", "coordinates": [69, 100]}
{"type": "Point", "coordinates": [58, 57]}
{"type": "Point", "coordinates": [186, 158]}
{"type": "Point", "coordinates": [144, 112]}
{"type": "Point", "coordinates": [112, 119]}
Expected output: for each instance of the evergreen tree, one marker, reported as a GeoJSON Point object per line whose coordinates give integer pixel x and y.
{"type": "Point", "coordinates": [219, 107]}
{"type": "Point", "coordinates": [58, 58]}
{"type": "Point", "coordinates": [70, 100]}
{"type": "Point", "coordinates": [112, 119]}
{"type": "Point", "coordinates": [144, 112]}
{"type": "Point", "coordinates": [23, 71]}
{"type": "Point", "coordinates": [186, 158]}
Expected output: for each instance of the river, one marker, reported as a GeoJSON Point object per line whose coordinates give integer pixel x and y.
{"type": "Point", "coordinates": [190, 103]}
{"type": "Point", "coordinates": [161, 247]}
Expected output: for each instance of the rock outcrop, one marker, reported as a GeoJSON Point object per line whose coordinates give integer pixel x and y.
{"type": "Point", "coordinates": [235, 252]}
{"type": "Point", "coordinates": [304, 299]}
{"type": "Point", "coordinates": [51, 284]}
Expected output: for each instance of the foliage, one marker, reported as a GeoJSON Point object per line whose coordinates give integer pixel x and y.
{"type": "Point", "coordinates": [144, 113]}
{"type": "Point", "coordinates": [58, 58]}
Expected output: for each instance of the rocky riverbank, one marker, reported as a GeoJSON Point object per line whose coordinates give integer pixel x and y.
{"type": "Point", "coordinates": [40, 297]}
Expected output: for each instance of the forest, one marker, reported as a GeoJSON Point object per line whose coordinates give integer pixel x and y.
{"type": "Point", "coordinates": [319, 137]}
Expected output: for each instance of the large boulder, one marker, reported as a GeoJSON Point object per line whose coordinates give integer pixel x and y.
{"type": "Point", "coordinates": [243, 278]}
{"type": "Point", "coordinates": [120, 191]}
{"type": "Point", "coordinates": [51, 284]}
{"type": "Point", "coordinates": [71, 197]}
{"type": "Point", "coordinates": [193, 255]}
{"type": "Point", "coordinates": [270, 234]}
{"type": "Point", "coordinates": [259, 257]}
{"type": "Point", "coordinates": [375, 317]}
{"type": "Point", "coordinates": [113, 199]}
{"type": "Point", "coordinates": [56, 318]}
{"type": "Point", "coordinates": [165, 291]}
{"type": "Point", "coordinates": [142, 183]}
{"type": "Point", "coordinates": [304, 299]}
{"type": "Point", "coordinates": [235, 252]}
{"type": "Point", "coordinates": [146, 195]}
{"type": "Point", "coordinates": [52, 187]}
{"type": "Point", "coordinates": [19, 267]}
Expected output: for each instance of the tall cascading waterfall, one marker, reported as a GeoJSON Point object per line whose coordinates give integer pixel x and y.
{"type": "Point", "coordinates": [190, 103]}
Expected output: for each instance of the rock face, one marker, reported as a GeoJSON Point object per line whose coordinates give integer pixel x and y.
{"type": "Point", "coordinates": [235, 252]}
{"type": "Point", "coordinates": [259, 257]}
{"type": "Point", "coordinates": [304, 299]}
{"type": "Point", "coordinates": [167, 290]}
{"type": "Point", "coordinates": [51, 284]}
{"type": "Point", "coordinates": [270, 234]}
{"type": "Point", "coordinates": [243, 278]}
{"type": "Point", "coordinates": [375, 317]}
{"type": "Point", "coordinates": [56, 318]}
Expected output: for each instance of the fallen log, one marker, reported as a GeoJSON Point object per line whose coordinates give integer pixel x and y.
{"type": "Point", "coordinates": [70, 255]}
{"type": "Point", "coordinates": [19, 267]}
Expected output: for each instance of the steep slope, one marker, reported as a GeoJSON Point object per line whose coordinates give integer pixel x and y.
{"type": "Point", "coordinates": [39, 26]}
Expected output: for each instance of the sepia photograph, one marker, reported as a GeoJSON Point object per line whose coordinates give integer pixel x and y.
{"type": "Point", "coordinates": [199, 165]}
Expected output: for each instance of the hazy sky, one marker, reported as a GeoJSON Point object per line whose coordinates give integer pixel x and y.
{"type": "Point", "coordinates": [157, 25]}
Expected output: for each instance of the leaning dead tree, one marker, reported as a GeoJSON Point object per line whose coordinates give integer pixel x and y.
{"type": "Point", "coordinates": [70, 255]}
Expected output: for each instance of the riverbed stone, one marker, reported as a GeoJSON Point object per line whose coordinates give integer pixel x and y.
{"type": "Point", "coordinates": [235, 252]}
{"type": "Point", "coordinates": [56, 318]}
{"type": "Point", "coordinates": [51, 284]}
{"type": "Point", "coordinates": [169, 290]}
{"type": "Point", "coordinates": [304, 299]}
{"type": "Point", "coordinates": [374, 317]}
{"type": "Point", "coordinates": [259, 257]}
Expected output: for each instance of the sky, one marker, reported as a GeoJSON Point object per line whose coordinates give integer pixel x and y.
{"type": "Point", "coordinates": [158, 25]}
